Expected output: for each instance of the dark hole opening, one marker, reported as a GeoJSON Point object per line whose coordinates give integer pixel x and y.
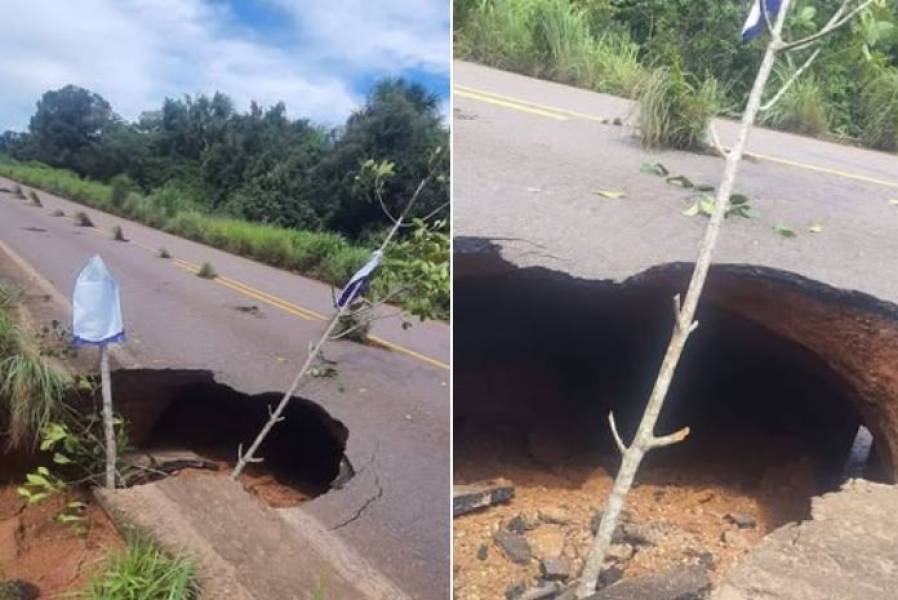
{"type": "Point", "coordinates": [189, 410]}
{"type": "Point", "coordinates": [541, 358]}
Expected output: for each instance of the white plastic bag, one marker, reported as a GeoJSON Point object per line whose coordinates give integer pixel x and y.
{"type": "Point", "coordinates": [96, 306]}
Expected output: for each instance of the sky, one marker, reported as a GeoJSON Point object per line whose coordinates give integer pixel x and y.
{"type": "Point", "coordinates": [320, 58]}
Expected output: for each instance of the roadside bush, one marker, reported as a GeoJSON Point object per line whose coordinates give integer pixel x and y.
{"type": "Point", "coordinates": [120, 186]}
{"type": "Point", "coordinates": [207, 271]}
{"type": "Point", "coordinates": [802, 109]}
{"type": "Point", "coordinates": [82, 219]}
{"type": "Point", "coordinates": [879, 109]}
{"type": "Point", "coordinates": [561, 35]}
{"type": "Point", "coordinates": [673, 112]}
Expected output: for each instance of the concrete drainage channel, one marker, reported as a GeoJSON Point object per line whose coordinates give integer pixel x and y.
{"type": "Point", "coordinates": [774, 385]}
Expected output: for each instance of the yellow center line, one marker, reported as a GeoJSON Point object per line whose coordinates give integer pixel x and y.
{"type": "Point", "coordinates": [827, 170]}
{"type": "Point", "coordinates": [527, 106]}
{"type": "Point", "coordinates": [284, 305]}
{"type": "Point", "coordinates": [459, 89]}
{"type": "Point", "coordinates": [513, 105]}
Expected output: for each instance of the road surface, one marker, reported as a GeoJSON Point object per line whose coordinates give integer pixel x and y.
{"type": "Point", "coordinates": [395, 400]}
{"type": "Point", "coordinates": [529, 156]}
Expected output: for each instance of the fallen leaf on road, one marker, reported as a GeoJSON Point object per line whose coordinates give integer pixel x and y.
{"type": "Point", "coordinates": [893, 201]}
{"type": "Point", "coordinates": [654, 169]}
{"type": "Point", "coordinates": [280, 359]}
{"type": "Point", "coordinates": [692, 210]}
{"type": "Point", "coordinates": [704, 187]}
{"type": "Point", "coordinates": [815, 228]}
{"type": "Point", "coordinates": [609, 194]}
{"type": "Point", "coordinates": [681, 181]}
{"type": "Point", "coordinates": [533, 190]}
{"type": "Point", "coordinates": [784, 230]}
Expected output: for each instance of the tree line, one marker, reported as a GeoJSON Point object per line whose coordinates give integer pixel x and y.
{"type": "Point", "coordinates": [259, 165]}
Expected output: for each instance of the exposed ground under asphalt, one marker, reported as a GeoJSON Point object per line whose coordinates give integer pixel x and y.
{"type": "Point", "coordinates": [562, 303]}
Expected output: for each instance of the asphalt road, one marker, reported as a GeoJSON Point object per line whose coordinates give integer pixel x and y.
{"type": "Point", "coordinates": [529, 156]}
{"type": "Point", "coordinates": [394, 401]}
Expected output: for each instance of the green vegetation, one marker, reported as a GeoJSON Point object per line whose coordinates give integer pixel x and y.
{"type": "Point", "coordinates": [142, 571]}
{"type": "Point", "coordinates": [82, 219]}
{"type": "Point", "coordinates": [674, 113]}
{"type": "Point", "coordinates": [163, 253]}
{"type": "Point", "coordinates": [118, 234]}
{"type": "Point", "coordinates": [31, 391]}
{"type": "Point", "coordinates": [669, 53]}
{"type": "Point", "coordinates": [35, 199]}
{"type": "Point", "coordinates": [207, 271]}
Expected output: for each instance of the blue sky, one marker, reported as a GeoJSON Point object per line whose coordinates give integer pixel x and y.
{"type": "Point", "coordinates": [320, 58]}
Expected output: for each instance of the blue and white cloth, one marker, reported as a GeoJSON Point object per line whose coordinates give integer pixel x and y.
{"type": "Point", "coordinates": [96, 306]}
{"type": "Point", "coordinates": [754, 24]}
{"type": "Point", "coordinates": [359, 282]}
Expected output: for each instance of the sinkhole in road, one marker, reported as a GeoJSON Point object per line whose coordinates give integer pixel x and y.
{"type": "Point", "coordinates": [773, 384]}
{"type": "Point", "coordinates": [173, 410]}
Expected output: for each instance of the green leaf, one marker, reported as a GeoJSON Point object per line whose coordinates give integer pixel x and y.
{"type": "Point", "coordinates": [37, 480]}
{"type": "Point", "coordinates": [784, 230]}
{"type": "Point", "coordinates": [654, 169]}
{"type": "Point", "coordinates": [613, 195]}
{"type": "Point", "coordinates": [692, 210]}
{"type": "Point", "coordinates": [681, 181]}
{"type": "Point", "coordinates": [737, 199]}
{"type": "Point", "coordinates": [67, 518]}
{"type": "Point", "coordinates": [704, 187]}
{"type": "Point", "coordinates": [61, 459]}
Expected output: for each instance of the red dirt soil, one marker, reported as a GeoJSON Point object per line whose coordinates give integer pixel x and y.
{"type": "Point", "coordinates": [34, 547]}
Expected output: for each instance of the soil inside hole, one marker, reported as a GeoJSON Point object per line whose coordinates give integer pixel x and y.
{"type": "Point", "coordinates": [188, 410]}
{"type": "Point", "coordinates": [541, 358]}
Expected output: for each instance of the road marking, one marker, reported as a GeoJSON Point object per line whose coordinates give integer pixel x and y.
{"type": "Point", "coordinates": [562, 113]}
{"type": "Point", "coordinates": [288, 307]}
{"type": "Point", "coordinates": [514, 105]}
{"type": "Point", "coordinates": [827, 170]}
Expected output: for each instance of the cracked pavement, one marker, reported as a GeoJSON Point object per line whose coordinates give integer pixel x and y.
{"type": "Point", "coordinates": [394, 512]}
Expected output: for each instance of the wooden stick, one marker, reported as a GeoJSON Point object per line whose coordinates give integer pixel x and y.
{"type": "Point", "coordinates": [108, 426]}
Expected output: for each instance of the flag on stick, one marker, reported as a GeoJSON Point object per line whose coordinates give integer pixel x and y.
{"type": "Point", "coordinates": [359, 282]}
{"type": "Point", "coordinates": [96, 306]}
{"type": "Point", "coordinates": [755, 23]}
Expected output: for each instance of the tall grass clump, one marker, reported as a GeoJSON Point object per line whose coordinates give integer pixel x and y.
{"type": "Point", "coordinates": [499, 33]}
{"type": "Point", "coordinates": [879, 111]}
{"type": "Point", "coordinates": [674, 112]}
{"type": "Point", "coordinates": [31, 391]}
{"type": "Point", "coordinates": [802, 108]}
{"type": "Point", "coordinates": [142, 571]}
{"type": "Point", "coordinates": [562, 37]}
{"type": "Point", "coordinates": [207, 271]}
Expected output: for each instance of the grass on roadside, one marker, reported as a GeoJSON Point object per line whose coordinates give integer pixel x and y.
{"type": "Point", "coordinates": [879, 105]}
{"type": "Point", "coordinates": [31, 390]}
{"type": "Point", "coordinates": [142, 571]}
{"type": "Point", "coordinates": [674, 112]}
{"type": "Point", "coordinates": [82, 219]}
{"type": "Point", "coordinates": [207, 271]}
{"type": "Point", "coordinates": [322, 255]}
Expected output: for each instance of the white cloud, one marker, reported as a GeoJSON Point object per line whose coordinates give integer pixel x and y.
{"type": "Point", "coordinates": [136, 52]}
{"type": "Point", "coordinates": [386, 35]}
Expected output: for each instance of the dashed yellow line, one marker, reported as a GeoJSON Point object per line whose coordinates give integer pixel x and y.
{"type": "Point", "coordinates": [518, 103]}
{"type": "Point", "coordinates": [826, 170]}
{"type": "Point", "coordinates": [284, 305]}
{"type": "Point", "coordinates": [562, 114]}
{"type": "Point", "coordinates": [513, 105]}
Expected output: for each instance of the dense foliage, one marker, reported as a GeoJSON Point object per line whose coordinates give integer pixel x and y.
{"type": "Point", "coordinates": [260, 165]}
{"type": "Point", "coordinates": [614, 45]}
